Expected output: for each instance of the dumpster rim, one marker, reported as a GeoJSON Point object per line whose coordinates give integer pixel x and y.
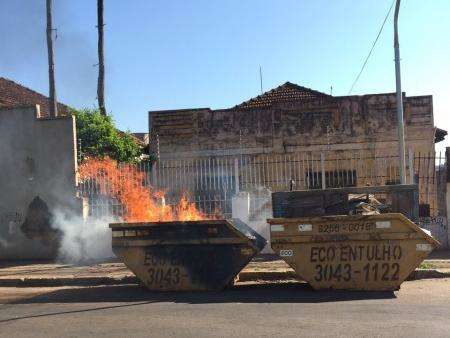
{"type": "Point", "coordinates": [405, 220]}
{"type": "Point", "coordinates": [145, 225]}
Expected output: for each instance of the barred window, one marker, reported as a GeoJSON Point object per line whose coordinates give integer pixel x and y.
{"type": "Point", "coordinates": [333, 179]}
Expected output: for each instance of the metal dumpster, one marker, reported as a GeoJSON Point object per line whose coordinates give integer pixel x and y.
{"type": "Point", "coordinates": [359, 252]}
{"type": "Point", "coordinates": [190, 255]}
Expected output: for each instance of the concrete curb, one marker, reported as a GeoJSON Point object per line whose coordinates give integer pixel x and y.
{"type": "Point", "coordinates": [267, 276]}
{"type": "Point", "coordinates": [67, 281]}
{"type": "Point", "coordinates": [291, 275]}
{"type": "Point", "coordinates": [245, 276]}
{"type": "Point", "coordinates": [428, 273]}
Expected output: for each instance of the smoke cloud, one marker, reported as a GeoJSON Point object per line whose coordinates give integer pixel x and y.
{"type": "Point", "coordinates": [83, 239]}
{"type": "Point", "coordinates": [254, 207]}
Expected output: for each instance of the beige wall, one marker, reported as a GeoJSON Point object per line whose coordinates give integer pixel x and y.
{"type": "Point", "coordinates": [37, 158]}
{"type": "Point", "coordinates": [337, 123]}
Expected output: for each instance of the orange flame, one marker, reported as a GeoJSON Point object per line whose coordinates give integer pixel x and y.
{"type": "Point", "coordinates": [141, 204]}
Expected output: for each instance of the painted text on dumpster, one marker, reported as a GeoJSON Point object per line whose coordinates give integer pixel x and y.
{"type": "Point", "coordinates": [371, 262]}
{"type": "Point", "coordinates": [344, 227]}
{"type": "Point", "coordinates": [163, 270]}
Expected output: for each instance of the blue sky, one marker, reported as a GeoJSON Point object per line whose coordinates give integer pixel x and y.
{"type": "Point", "coordinates": [207, 53]}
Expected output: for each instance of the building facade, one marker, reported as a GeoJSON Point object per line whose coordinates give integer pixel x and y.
{"type": "Point", "coordinates": [290, 119]}
{"type": "Point", "coordinates": [293, 133]}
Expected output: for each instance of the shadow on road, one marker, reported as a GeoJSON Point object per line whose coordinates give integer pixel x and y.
{"type": "Point", "coordinates": [122, 296]}
{"type": "Point", "coordinates": [99, 308]}
{"type": "Point", "coordinates": [256, 293]}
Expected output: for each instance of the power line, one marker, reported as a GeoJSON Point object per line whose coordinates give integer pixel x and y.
{"type": "Point", "coordinates": [371, 49]}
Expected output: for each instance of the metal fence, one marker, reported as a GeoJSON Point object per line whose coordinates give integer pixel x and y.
{"type": "Point", "coordinates": [211, 182]}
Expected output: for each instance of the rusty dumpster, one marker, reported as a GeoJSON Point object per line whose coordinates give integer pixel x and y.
{"type": "Point", "coordinates": [186, 255]}
{"type": "Point", "coordinates": [358, 252]}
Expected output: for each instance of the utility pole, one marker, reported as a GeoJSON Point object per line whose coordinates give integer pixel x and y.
{"type": "Point", "coordinates": [101, 60]}
{"type": "Point", "coordinates": [401, 127]}
{"type": "Point", "coordinates": [51, 65]}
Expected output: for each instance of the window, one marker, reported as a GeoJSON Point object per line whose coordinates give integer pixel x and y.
{"type": "Point", "coordinates": [393, 175]}
{"type": "Point", "coordinates": [333, 179]}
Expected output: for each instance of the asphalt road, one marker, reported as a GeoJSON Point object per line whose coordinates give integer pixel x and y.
{"type": "Point", "coordinates": [419, 309]}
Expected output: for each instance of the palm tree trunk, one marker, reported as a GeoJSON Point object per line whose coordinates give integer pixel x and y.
{"type": "Point", "coordinates": [101, 60]}
{"type": "Point", "coordinates": [51, 65]}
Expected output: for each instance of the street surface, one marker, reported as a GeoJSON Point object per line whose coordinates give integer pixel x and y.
{"type": "Point", "coordinates": [420, 309]}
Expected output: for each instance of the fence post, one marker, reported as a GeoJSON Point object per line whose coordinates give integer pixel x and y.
{"type": "Point", "coordinates": [236, 175]}
{"type": "Point", "coordinates": [322, 168]}
{"type": "Point", "coordinates": [411, 165]}
{"type": "Point", "coordinates": [447, 174]}
{"type": "Point", "coordinates": [154, 183]}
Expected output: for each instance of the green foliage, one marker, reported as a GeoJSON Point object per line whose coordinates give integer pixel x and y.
{"type": "Point", "coordinates": [99, 137]}
{"type": "Point", "coordinates": [426, 265]}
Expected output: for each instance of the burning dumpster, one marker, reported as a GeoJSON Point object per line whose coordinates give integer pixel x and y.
{"type": "Point", "coordinates": [186, 255]}
{"type": "Point", "coordinates": [367, 251]}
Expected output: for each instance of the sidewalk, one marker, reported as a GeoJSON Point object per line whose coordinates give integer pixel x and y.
{"type": "Point", "coordinates": [56, 274]}
{"type": "Point", "coordinates": [262, 268]}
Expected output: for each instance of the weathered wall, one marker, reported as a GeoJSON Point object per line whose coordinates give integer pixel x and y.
{"type": "Point", "coordinates": [353, 132]}
{"type": "Point", "coordinates": [37, 158]}
{"type": "Point", "coordinates": [336, 123]}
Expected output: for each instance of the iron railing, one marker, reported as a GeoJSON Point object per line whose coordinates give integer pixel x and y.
{"type": "Point", "coordinates": [212, 181]}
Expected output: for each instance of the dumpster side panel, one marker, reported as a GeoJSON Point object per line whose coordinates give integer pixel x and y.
{"type": "Point", "coordinates": [362, 265]}
{"type": "Point", "coordinates": [369, 252]}
{"type": "Point", "coordinates": [186, 255]}
{"type": "Point", "coordinates": [186, 267]}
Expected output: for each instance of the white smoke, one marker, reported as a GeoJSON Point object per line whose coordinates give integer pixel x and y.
{"type": "Point", "coordinates": [3, 242]}
{"type": "Point", "coordinates": [83, 239]}
{"type": "Point", "coordinates": [254, 207]}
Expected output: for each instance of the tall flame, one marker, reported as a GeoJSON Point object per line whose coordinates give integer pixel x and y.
{"type": "Point", "coordinates": [141, 203]}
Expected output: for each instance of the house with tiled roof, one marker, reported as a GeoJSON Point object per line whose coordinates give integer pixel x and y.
{"type": "Point", "coordinates": [13, 94]}
{"type": "Point", "coordinates": [291, 118]}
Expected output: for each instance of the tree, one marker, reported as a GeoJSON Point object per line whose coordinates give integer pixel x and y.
{"type": "Point", "coordinates": [51, 65]}
{"type": "Point", "coordinates": [101, 60]}
{"type": "Point", "coordinates": [99, 137]}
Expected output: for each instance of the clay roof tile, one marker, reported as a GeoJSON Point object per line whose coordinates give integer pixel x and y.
{"type": "Point", "coordinates": [287, 92]}
{"type": "Point", "coordinates": [13, 94]}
